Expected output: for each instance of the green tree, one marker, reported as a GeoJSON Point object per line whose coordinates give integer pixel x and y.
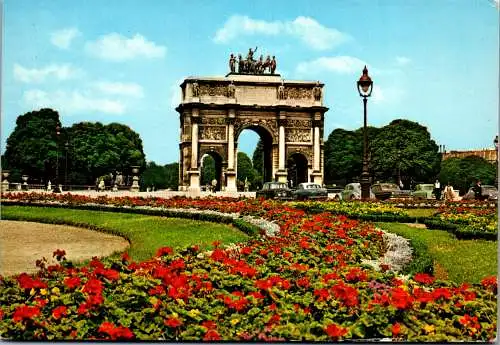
{"type": "Point", "coordinates": [207, 170]}
{"type": "Point", "coordinates": [258, 165]}
{"type": "Point", "coordinates": [172, 175]}
{"type": "Point", "coordinates": [245, 169]}
{"type": "Point", "coordinates": [461, 173]}
{"type": "Point", "coordinates": [343, 156]}
{"type": "Point", "coordinates": [32, 148]}
{"type": "Point", "coordinates": [98, 150]}
{"type": "Point", "coordinates": [403, 150]}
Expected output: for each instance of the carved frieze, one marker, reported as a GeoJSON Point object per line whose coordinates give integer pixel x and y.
{"type": "Point", "coordinates": [269, 124]}
{"type": "Point", "coordinates": [295, 92]}
{"type": "Point", "coordinates": [213, 121]}
{"type": "Point", "coordinates": [213, 90]}
{"type": "Point", "coordinates": [212, 132]}
{"type": "Point", "coordinates": [304, 150]}
{"type": "Point", "coordinates": [291, 123]}
{"type": "Point", "coordinates": [297, 135]}
{"type": "Point", "coordinates": [220, 150]}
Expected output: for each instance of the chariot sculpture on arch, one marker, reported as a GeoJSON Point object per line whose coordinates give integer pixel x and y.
{"type": "Point", "coordinates": [249, 65]}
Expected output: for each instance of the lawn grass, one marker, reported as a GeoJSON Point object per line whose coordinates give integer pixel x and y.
{"type": "Point", "coordinates": [455, 260]}
{"type": "Point", "coordinates": [420, 212]}
{"type": "Point", "coordinates": [146, 233]}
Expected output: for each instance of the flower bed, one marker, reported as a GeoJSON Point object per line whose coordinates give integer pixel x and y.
{"type": "Point", "coordinates": [306, 283]}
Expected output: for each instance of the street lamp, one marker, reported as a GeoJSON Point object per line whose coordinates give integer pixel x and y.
{"type": "Point", "coordinates": [365, 87]}
{"type": "Point", "coordinates": [58, 132]}
{"type": "Point", "coordinates": [66, 146]}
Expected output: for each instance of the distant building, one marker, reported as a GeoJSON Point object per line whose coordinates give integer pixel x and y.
{"type": "Point", "coordinates": [489, 154]}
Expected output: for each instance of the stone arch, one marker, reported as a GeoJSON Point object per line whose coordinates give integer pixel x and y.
{"type": "Point", "coordinates": [267, 139]}
{"type": "Point", "coordinates": [297, 168]}
{"type": "Point", "coordinates": [270, 126]}
{"type": "Point", "coordinates": [219, 169]}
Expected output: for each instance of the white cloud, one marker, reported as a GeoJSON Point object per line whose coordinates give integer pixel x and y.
{"type": "Point", "coordinates": [378, 96]}
{"type": "Point", "coordinates": [117, 88]}
{"type": "Point", "coordinates": [402, 60]}
{"type": "Point", "coordinates": [72, 102]}
{"type": "Point", "coordinates": [175, 91]}
{"type": "Point", "coordinates": [34, 75]}
{"type": "Point", "coordinates": [307, 29]}
{"type": "Point", "coordinates": [63, 38]}
{"type": "Point", "coordinates": [336, 64]}
{"type": "Point", "coordinates": [116, 47]}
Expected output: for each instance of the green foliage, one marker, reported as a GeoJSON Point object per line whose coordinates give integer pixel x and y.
{"type": "Point", "coordinates": [463, 260]}
{"type": "Point", "coordinates": [245, 169]}
{"type": "Point", "coordinates": [207, 170]}
{"type": "Point", "coordinates": [401, 149]}
{"type": "Point", "coordinates": [404, 149]}
{"type": "Point", "coordinates": [98, 150]}
{"type": "Point", "coordinates": [461, 173]}
{"type": "Point", "coordinates": [258, 165]}
{"type": "Point", "coordinates": [32, 147]}
{"type": "Point", "coordinates": [160, 177]}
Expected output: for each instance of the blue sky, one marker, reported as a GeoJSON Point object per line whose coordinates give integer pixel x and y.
{"type": "Point", "coordinates": [434, 62]}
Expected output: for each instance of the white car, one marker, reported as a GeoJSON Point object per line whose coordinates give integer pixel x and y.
{"type": "Point", "coordinates": [352, 191]}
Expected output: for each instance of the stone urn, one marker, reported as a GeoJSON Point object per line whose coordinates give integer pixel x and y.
{"type": "Point", "coordinates": [135, 179]}
{"type": "Point", "coordinates": [5, 182]}
{"type": "Point", "coordinates": [25, 182]}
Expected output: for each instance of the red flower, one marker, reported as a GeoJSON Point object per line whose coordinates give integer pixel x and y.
{"type": "Point", "coordinates": [322, 294]}
{"type": "Point", "coordinates": [490, 282]}
{"type": "Point", "coordinates": [116, 333]}
{"type": "Point", "coordinates": [173, 322]}
{"type": "Point", "coordinates": [441, 293]}
{"type": "Point", "coordinates": [218, 255]}
{"type": "Point", "coordinates": [275, 319]}
{"type": "Point", "coordinates": [424, 278]}
{"type": "Point", "coordinates": [164, 251]}
{"type": "Point", "coordinates": [59, 254]}
{"type": "Point", "coordinates": [400, 298]}
{"type": "Point", "coordinates": [303, 282]}
{"type": "Point", "coordinates": [209, 324]}
{"type": "Point", "coordinates": [110, 274]}
{"type": "Point", "coordinates": [216, 243]}
{"type": "Point", "coordinates": [25, 312]}
{"type": "Point", "coordinates": [1, 314]}
{"type": "Point", "coordinates": [396, 329]}
{"type": "Point", "coordinates": [335, 331]}
{"type": "Point", "coordinates": [211, 335]}
{"type": "Point", "coordinates": [72, 283]}
{"type": "Point", "coordinates": [93, 286]}
{"type": "Point", "coordinates": [60, 311]}
{"type": "Point", "coordinates": [125, 257]}
{"type": "Point", "coordinates": [246, 250]}
{"type": "Point", "coordinates": [26, 282]}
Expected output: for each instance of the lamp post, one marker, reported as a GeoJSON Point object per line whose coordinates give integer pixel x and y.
{"type": "Point", "coordinates": [66, 146]}
{"type": "Point", "coordinates": [58, 132]}
{"type": "Point", "coordinates": [495, 142]}
{"type": "Point", "coordinates": [365, 87]}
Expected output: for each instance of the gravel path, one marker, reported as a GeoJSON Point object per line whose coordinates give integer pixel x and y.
{"type": "Point", "coordinates": [22, 243]}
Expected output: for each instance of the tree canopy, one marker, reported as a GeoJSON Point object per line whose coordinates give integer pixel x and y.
{"type": "Point", "coordinates": [160, 177]}
{"type": "Point", "coordinates": [32, 147]}
{"type": "Point", "coordinates": [92, 149]}
{"type": "Point", "coordinates": [461, 173]}
{"type": "Point", "coordinates": [245, 168]}
{"type": "Point", "coordinates": [402, 149]}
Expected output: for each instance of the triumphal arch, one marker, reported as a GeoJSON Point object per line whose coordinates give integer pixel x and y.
{"type": "Point", "coordinates": [288, 115]}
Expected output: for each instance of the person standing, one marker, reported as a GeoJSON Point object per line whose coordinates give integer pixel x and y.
{"type": "Point", "coordinates": [437, 190]}
{"type": "Point", "coordinates": [478, 195]}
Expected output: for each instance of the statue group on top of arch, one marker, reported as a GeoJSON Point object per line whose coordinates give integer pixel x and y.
{"type": "Point", "coordinates": [251, 66]}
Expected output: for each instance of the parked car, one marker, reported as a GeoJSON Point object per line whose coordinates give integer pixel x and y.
{"type": "Point", "coordinates": [335, 192]}
{"type": "Point", "coordinates": [487, 191]}
{"type": "Point", "coordinates": [352, 191]}
{"type": "Point", "coordinates": [275, 190]}
{"type": "Point", "coordinates": [308, 190]}
{"type": "Point", "coordinates": [424, 191]}
{"type": "Point", "coordinates": [385, 191]}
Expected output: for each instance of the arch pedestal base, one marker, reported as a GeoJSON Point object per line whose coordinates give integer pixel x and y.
{"type": "Point", "coordinates": [281, 176]}
{"type": "Point", "coordinates": [231, 181]}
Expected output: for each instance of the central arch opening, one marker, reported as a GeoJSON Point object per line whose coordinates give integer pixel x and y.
{"type": "Point", "coordinates": [297, 169]}
{"type": "Point", "coordinates": [211, 171]}
{"type": "Point", "coordinates": [261, 141]}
